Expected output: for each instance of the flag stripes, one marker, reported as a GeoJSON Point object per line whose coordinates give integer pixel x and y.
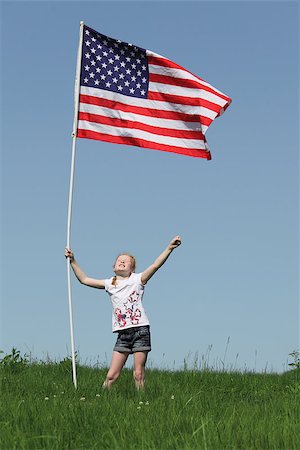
{"type": "Point", "coordinates": [99, 97]}
{"type": "Point", "coordinates": [123, 123]}
{"type": "Point", "coordinates": [115, 130]}
{"type": "Point", "coordinates": [84, 133]}
{"type": "Point", "coordinates": [147, 120]}
{"type": "Point", "coordinates": [173, 116]}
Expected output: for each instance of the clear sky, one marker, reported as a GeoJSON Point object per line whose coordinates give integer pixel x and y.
{"type": "Point", "coordinates": [235, 277]}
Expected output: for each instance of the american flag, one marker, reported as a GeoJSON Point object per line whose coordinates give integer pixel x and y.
{"type": "Point", "coordinates": [129, 95]}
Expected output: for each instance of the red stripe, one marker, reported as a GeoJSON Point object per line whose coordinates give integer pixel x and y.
{"type": "Point", "coordinates": [89, 99]}
{"type": "Point", "coordinates": [169, 98]}
{"type": "Point", "coordinates": [142, 143]}
{"type": "Point", "coordinates": [156, 61]}
{"type": "Point", "coordinates": [96, 118]}
{"type": "Point", "coordinates": [184, 83]}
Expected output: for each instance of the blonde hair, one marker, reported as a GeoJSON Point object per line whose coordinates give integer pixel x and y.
{"type": "Point", "coordinates": [133, 264]}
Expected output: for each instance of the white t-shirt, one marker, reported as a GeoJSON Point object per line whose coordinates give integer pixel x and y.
{"type": "Point", "coordinates": [126, 298]}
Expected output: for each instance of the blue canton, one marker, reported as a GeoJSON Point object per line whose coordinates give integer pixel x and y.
{"type": "Point", "coordinates": [113, 65]}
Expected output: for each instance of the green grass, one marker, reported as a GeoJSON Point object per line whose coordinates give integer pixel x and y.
{"type": "Point", "coordinates": [177, 410]}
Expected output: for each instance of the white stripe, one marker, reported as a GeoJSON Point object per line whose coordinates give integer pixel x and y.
{"type": "Point", "coordinates": [140, 134]}
{"type": "Point", "coordinates": [148, 120]}
{"type": "Point", "coordinates": [145, 103]}
{"type": "Point", "coordinates": [186, 92]}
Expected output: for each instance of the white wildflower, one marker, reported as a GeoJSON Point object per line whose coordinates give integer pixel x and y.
{"type": "Point", "coordinates": [98, 395]}
{"type": "Point", "coordinates": [139, 407]}
{"type": "Point", "coordinates": [46, 398]}
{"type": "Point", "coordinates": [147, 403]}
{"type": "Point", "coordinates": [172, 397]}
{"type": "Point", "coordinates": [141, 403]}
{"type": "Point", "coordinates": [82, 398]}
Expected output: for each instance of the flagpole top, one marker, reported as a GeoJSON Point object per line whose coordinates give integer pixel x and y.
{"type": "Point", "coordinates": [81, 23]}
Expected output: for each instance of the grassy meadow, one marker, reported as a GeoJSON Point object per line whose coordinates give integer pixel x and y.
{"type": "Point", "coordinates": [188, 409]}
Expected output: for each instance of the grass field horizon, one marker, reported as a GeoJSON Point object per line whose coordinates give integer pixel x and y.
{"type": "Point", "coordinates": [180, 409]}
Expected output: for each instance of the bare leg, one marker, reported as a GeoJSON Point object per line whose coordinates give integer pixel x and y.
{"type": "Point", "coordinates": [117, 362]}
{"type": "Point", "coordinates": [140, 359]}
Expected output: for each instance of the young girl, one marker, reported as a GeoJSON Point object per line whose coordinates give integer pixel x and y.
{"type": "Point", "coordinates": [129, 319]}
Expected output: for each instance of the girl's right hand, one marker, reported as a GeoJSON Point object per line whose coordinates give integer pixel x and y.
{"type": "Point", "coordinates": [69, 254]}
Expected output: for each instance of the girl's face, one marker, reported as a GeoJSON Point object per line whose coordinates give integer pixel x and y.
{"type": "Point", "coordinates": [123, 265]}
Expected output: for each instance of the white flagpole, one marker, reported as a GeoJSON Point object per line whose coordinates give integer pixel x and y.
{"type": "Point", "coordinates": [74, 133]}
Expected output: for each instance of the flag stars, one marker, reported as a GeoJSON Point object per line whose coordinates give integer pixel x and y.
{"type": "Point", "coordinates": [114, 65]}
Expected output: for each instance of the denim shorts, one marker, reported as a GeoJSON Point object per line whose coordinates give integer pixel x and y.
{"type": "Point", "coordinates": [134, 339]}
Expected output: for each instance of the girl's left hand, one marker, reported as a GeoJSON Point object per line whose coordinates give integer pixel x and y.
{"type": "Point", "coordinates": [175, 242]}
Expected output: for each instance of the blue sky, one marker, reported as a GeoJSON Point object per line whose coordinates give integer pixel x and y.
{"type": "Point", "coordinates": [235, 277]}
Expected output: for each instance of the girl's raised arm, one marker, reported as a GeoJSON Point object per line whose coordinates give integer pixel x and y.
{"type": "Point", "coordinates": [148, 273]}
{"type": "Point", "coordinates": [81, 276]}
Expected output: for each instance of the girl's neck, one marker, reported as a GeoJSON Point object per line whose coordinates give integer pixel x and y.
{"type": "Point", "coordinates": [118, 278]}
{"type": "Point", "coordinates": [121, 277]}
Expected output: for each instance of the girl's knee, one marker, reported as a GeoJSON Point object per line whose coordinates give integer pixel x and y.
{"type": "Point", "coordinates": [112, 376]}
{"type": "Point", "coordinates": [138, 374]}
